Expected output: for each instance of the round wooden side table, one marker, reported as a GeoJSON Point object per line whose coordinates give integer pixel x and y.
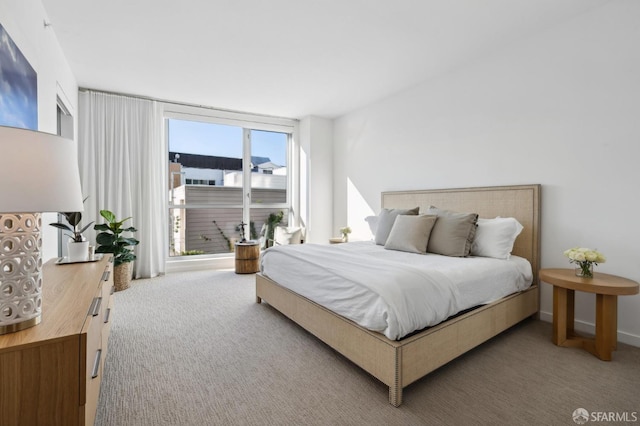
{"type": "Point", "coordinates": [247, 257]}
{"type": "Point", "coordinates": [607, 288]}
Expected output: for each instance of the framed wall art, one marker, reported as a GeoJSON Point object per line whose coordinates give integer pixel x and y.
{"type": "Point", "coordinates": [18, 86]}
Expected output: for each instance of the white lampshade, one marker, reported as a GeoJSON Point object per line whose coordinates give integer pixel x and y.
{"type": "Point", "coordinates": [38, 173]}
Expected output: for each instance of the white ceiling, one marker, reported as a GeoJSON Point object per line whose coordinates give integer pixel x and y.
{"type": "Point", "coordinates": [289, 58]}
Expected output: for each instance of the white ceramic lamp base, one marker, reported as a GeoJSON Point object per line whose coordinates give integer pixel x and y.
{"type": "Point", "coordinates": [20, 271]}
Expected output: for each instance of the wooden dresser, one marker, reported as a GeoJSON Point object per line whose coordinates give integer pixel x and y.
{"type": "Point", "coordinates": [50, 374]}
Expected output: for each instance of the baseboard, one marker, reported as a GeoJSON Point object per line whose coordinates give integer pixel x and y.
{"type": "Point", "coordinates": [194, 264]}
{"type": "Point", "coordinates": [586, 327]}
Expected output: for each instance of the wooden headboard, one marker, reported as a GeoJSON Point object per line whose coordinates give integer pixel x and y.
{"type": "Point", "coordinates": [519, 201]}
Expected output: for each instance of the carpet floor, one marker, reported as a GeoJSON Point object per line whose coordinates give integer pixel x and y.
{"type": "Point", "coordinates": [195, 349]}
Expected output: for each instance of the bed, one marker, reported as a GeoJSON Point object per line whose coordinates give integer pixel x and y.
{"type": "Point", "coordinates": [398, 363]}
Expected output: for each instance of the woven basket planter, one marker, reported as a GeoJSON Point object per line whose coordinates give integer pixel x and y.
{"type": "Point", "coordinates": [122, 276]}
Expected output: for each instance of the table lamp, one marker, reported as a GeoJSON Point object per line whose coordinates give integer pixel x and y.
{"type": "Point", "coordinates": [38, 173]}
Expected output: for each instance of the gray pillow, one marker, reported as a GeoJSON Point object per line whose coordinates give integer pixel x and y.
{"type": "Point", "coordinates": [410, 233]}
{"type": "Point", "coordinates": [453, 232]}
{"type": "Point", "coordinates": [385, 222]}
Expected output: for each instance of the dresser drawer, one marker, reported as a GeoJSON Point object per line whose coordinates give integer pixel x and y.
{"type": "Point", "coordinates": [107, 311]}
{"type": "Point", "coordinates": [94, 356]}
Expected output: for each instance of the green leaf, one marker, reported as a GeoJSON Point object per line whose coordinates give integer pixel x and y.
{"type": "Point", "coordinates": [62, 226]}
{"type": "Point", "coordinates": [73, 218]}
{"type": "Point", "coordinates": [101, 227]}
{"type": "Point", "coordinates": [105, 239]}
{"type": "Point", "coordinates": [108, 216]}
{"type": "Point", "coordinates": [119, 223]}
{"type": "Point", "coordinates": [129, 241]}
{"type": "Point", "coordinates": [105, 249]}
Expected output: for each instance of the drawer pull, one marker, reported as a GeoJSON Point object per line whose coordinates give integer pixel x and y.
{"type": "Point", "coordinates": [106, 316]}
{"type": "Point", "coordinates": [105, 275]}
{"type": "Point", "coordinates": [94, 310]}
{"type": "Point", "coordinates": [96, 364]}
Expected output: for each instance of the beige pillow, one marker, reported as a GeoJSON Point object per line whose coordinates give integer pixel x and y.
{"type": "Point", "coordinates": [453, 232]}
{"type": "Point", "coordinates": [283, 236]}
{"type": "Point", "coordinates": [385, 222]}
{"type": "Point", "coordinates": [410, 233]}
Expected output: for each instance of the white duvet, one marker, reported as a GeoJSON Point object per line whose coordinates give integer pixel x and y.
{"type": "Point", "coordinates": [392, 292]}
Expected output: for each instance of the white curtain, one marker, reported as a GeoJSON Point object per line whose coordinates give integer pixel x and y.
{"type": "Point", "coordinates": [121, 153]}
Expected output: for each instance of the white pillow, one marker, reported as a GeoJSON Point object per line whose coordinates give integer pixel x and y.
{"type": "Point", "coordinates": [410, 233]}
{"type": "Point", "coordinates": [284, 236]}
{"type": "Point", "coordinates": [495, 237]}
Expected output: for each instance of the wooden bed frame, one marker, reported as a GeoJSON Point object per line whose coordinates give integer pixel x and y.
{"type": "Point", "coordinates": [399, 363]}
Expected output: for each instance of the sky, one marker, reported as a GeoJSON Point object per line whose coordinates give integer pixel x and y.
{"type": "Point", "coordinates": [195, 137]}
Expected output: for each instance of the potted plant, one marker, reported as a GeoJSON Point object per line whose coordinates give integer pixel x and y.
{"type": "Point", "coordinates": [111, 240]}
{"type": "Point", "coordinates": [78, 245]}
{"type": "Point", "coordinates": [273, 220]}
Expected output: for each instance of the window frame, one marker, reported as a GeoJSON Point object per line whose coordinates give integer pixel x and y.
{"type": "Point", "coordinates": [247, 122]}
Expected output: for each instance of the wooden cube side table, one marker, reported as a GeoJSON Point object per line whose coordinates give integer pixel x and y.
{"type": "Point", "coordinates": [607, 288]}
{"type": "Point", "coordinates": [247, 257]}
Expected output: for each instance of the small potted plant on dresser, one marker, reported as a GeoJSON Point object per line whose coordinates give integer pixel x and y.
{"type": "Point", "coordinates": [78, 245]}
{"type": "Point", "coordinates": [111, 240]}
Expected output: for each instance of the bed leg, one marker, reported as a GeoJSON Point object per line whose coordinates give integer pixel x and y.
{"type": "Point", "coordinates": [395, 395]}
{"type": "Point", "coordinates": [258, 299]}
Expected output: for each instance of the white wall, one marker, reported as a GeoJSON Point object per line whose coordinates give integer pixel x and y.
{"type": "Point", "coordinates": [24, 21]}
{"type": "Point", "coordinates": [561, 109]}
{"type": "Point", "coordinates": [316, 153]}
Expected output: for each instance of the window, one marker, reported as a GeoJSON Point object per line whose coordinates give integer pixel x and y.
{"type": "Point", "coordinates": [64, 128]}
{"type": "Point", "coordinates": [222, 174]}
{"type": "Point", "coordinates": [64, 120]}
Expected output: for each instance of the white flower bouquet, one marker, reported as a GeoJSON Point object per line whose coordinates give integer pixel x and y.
{"type": "Point", "coordinates": [585, 258]}
{"type": "Point", "coordinates": [345, 232]}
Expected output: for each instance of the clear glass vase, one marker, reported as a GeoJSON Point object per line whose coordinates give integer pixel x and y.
{"type": "Point", "coordinates": [584, 270]}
